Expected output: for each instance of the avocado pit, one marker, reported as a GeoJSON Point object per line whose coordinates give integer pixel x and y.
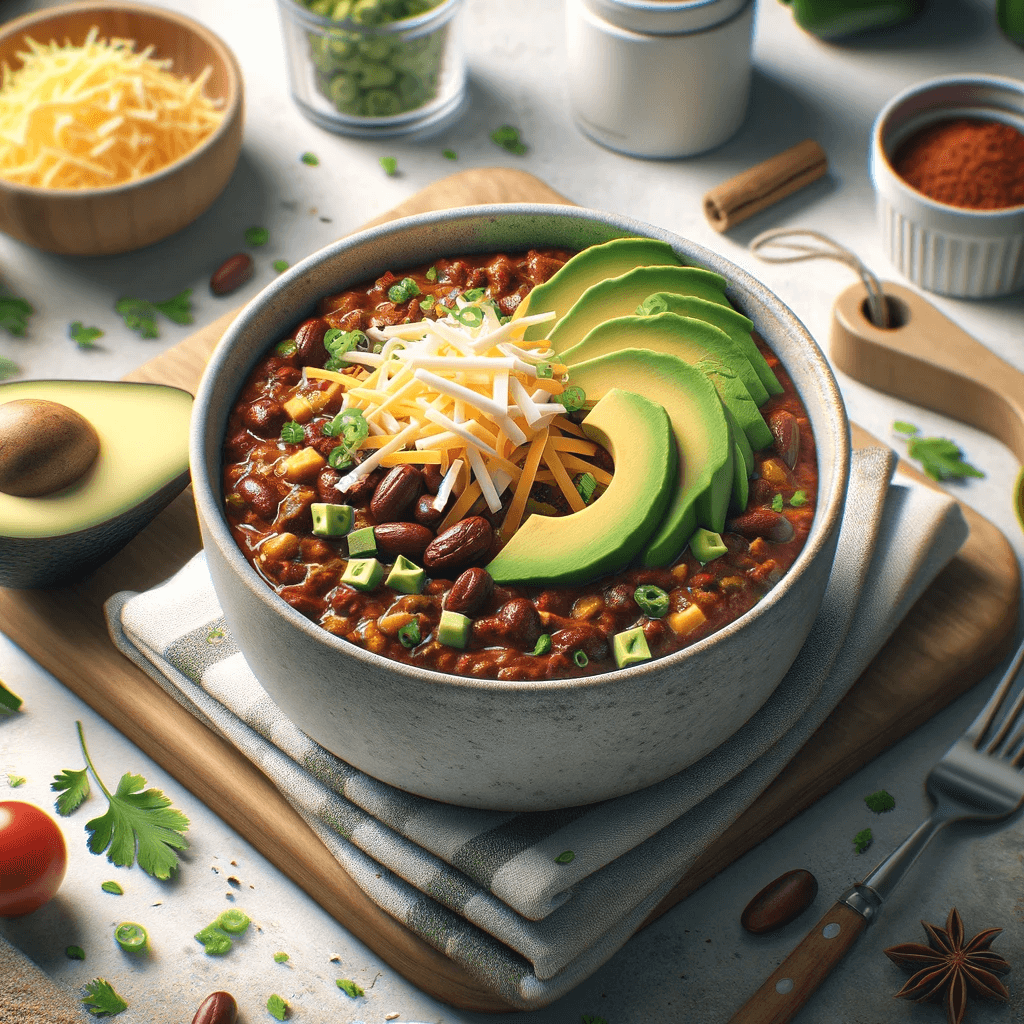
{"type": "Point", "coordinates": [44, 447]}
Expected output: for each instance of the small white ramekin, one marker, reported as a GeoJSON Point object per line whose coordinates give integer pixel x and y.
{"type": "Point", "coordinates": [948, 249]}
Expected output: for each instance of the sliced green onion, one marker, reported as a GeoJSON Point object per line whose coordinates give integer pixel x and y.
{"type": "Point", "coordinates": [471, 316]}
{"type": "Point", "coordinates": [409, 634]}
{"type": "Point", "coordinates": [286, 348]}
{"type": "Point", "coordinates": [544, 370]}
{"type": "Point", "coordinates": [233, 921]}
{"type": "Point", "coordinates": [543, 644]}
{"type": "Point", "coordinates": [565, 857]}
{"type": "Point", "coordinates": [390, 165]}
{"type": "Point", "coordinates": [378, 348]}
{"type": "Point", "coordinates": [580, 659]}
{"type": "Point", "coordinates": [131, 937]}
{"type": "Point", "coordinates": [427, 302]}
{"type": "Point", "coordinates": [573, 398]}
{"type": "Point", "coordinates": [653, 601]}
{"type": "Point", "coordinates": [473, 295]}
{"type": "Point", "coordinates": [799, 499]}
{"type": "Point", "coordinates": [340, 457]}
{"type": "Point", "coordinates": [431, 274]}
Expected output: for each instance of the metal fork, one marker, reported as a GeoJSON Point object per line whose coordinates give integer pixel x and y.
{"type": "Point", "coordinates": [978, 778]}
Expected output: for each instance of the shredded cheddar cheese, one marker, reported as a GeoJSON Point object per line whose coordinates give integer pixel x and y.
{"type": "Point", "coordinates": [96, 115]}
{"type": "Point", "coordinates": [473, 400]}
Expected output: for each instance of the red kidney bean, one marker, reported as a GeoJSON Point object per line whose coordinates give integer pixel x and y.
{"type": "Point", "coordinates": [425, 513]}
{"type": "Point", "coordinates": [260, 496]}
{"type": "Point", "coordinates": [432, 476]}
{"type": "Point", "coordinates": [780, 902]}
{"type": "Point", "coordinates": [395, 493]}
{"type": "Point", "coordinates": [459, 545]}
{"type": "Point", "coordinates": [231, 274]}
{"type": "Point", "coordinates": [325, 489]}
{"type": "Point", "coordinates": [264, 417]}
{"type": "Point", "coordinates": [409, 539]}
{"type": "Point", "coordinates": [470, 592]}
{"type": "Point", "coordinates": [217, 1008]}
{"type": "Point", "coordinates": [786, 431]}
{"type": "Point", "coordinates": [762, 522]}
{"type": "Point", "coordinates": [362, 490]}
{"type": "Point", "coordinates": [309, 341]}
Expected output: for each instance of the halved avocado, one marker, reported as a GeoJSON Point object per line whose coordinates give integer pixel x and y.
{"type": "Point", "coordinates": [619, 296]}
{"type": "Point", "coordinates": [725, 318]}
{"type": "Point", "coordinates": [587, 267]}
{"type": "Point", "coordinates": [704, 437]}
{"type": "Point", "coordinates": [142, 464]}
{"type": "Point", "coordinates": [606, 535]}
{"type": "Point", "coordinates": [695, 342]}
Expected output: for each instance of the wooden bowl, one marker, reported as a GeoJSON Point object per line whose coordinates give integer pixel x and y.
{"type": "Point", "coordinates": [103, 221]}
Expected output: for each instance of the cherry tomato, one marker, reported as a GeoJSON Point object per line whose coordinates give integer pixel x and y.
{"type": "Point", "coordinates": [33, 858]}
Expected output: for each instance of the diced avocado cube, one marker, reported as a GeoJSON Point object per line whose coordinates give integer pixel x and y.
{"type": "Point", "coordinates": [630, 647]}
{"type": "Point", "coordinates": [453, 629]}
{"type": "Point", "coordinates": [406, 577]}
{"type": "Point", "coordinates": [362, 542]}
{"type": "Point", "coordinates": [363, 573]}
{"type": "Point", "coordinates": [331, 520]}
{"type": "Point", "coordinates": [707, 546]}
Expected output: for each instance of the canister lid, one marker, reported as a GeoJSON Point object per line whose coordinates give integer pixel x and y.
{"type": "Point", "coordinates": [666, 17]}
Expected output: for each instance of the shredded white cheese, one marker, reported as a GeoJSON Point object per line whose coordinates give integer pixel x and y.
{"type": "Point", "coordinates": [97, 115]}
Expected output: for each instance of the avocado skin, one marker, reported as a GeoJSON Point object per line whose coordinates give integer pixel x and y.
{"type": "Point", "coordinates": [610, 532]}
{"type": "Point", "coordinates": [588, 267]}
{"type": "Point", "coordinates": [29, 562]}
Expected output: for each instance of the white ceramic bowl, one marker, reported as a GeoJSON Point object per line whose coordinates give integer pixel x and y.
{"type": "Point", "coordinates": [481, 742]}
{"type": "Point", "coordinates": [943, 248]}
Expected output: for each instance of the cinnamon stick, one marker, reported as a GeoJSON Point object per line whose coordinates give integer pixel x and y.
{"type": "Point", "coordinates": [765, 183]}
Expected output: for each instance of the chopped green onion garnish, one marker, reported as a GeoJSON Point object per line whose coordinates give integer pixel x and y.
{"type": "Point", "coordinates": [450, 154]}
{"type": "Point", "coordinates": [777, 503]}
{"type": "Point", "coordinates": [256, 236]}
{"type": "Point", "coordinates": [545, 371]}
{"type": "Point", "coordinates": [573, 398]}
{"type": "Point", "coordinates": [280, 265]}
{"type": "Point", "coordinates": [409, 634]}
{"type": "Point", "coordinates": [310, 158]}
{"type": "Point", "coordinates": [427, 302]}
{"type": "Point", "coordinates": [405, 290]}
{"type": "Point", "coordinates": [280, 958]}
{"type": "Point", "coordinates": [233, 921]}
{"type": "Point", "coordinates": [652, 600]}
{"type": "Point", "coordinates": [340, 457]}
{"type": "Point", "coordinates": [390, 165]}
{"type": "Point", "coordinates": [473, 295]}
{"type": "Point", "coordinates": [471, 316]}
{"type": "Point", "coordinates": [292, 433]}
{"type": "Point", "coordinates": [286, 348]}
{"type": "Point", "coordinates": [580, 659]}
{"type": "Point", "coordinates": [543, 644]}
{"type": "Point", "coordinates": [799, 499]}
{"type": "Point", "coordinates": [131, 937]}
{"type": "Point", "coordinates": [566, 857]}
{"type": "Point", "coordinates": [431, 274]}
{"type": "Point", "coordinates": [508, 138]}
{"type": "Point", "coordinates": [349, 988]}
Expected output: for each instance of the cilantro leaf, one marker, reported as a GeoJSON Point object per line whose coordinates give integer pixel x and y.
{"type": "Point", "coordinates": [566, 857]}
{"type": "Point", "coordinates": [508, 138]}
{"type": "Point", "coordinates": [73, 787]}
{"type": "Point", "coordinates": [14, 781]}
{"type": "Point", "coordinates": [862, 840]}
{"type": "Point", "coordinates": [137, 824]}
{"type": "Point", "coordinates": [799, 499]}
{"type": "Point", "coordinates": [311, 159]}
{"type": "Point", "coordinates": [101, 999]}
{"type": "Point", "coordinates": [8, 368]}
{"type": "Point", "coordinates": [277, 1007]}
{"type": "Point", "coordinates": [280, 958]}
{"type": "Point", "coordinates": [84, 337]}
{"type": "Point", "coordinates": [902, 427]}
{"type": "Point", "coordinates": [292, 432]}
{"type": "Point", "coordinates": [349, 987]}
{"type": "Point", "coordinates": [9, 701]}
{"type": "Point", "coordinates": [14, 314]}
{"type": "Point", "coordinates": [280, 265]}
{"type": "Point", "coordinates": [113, 888]}
{"type": "Point", "coordinates": [178, 308]}
{"type": "Point", "coordinates": [941, 458]}
{"type": "Point", "coordinates": [450, 154]}
{"type": "Point", "coordinates": [880, 802]}
{"type": "Point", "coordinates": [215, 942]}
{"type": "Point", "coordinates": [74, 953]}
{"type": "Point", "coordinates": [390, 165]}
{"type": "Point", "coordinates": [777, 503]}
{"type": "Point", "coordinates": [138, 315]}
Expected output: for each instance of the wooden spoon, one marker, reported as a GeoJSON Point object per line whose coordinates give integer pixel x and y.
{"type": "Point", "coordinates": [930, 361]}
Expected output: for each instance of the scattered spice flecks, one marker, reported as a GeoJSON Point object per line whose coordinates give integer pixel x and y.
{"type": "Point", "coordinates": [949, 967]}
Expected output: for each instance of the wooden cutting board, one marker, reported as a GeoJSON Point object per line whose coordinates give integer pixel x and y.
{"type": "Point", "coordinates": [955, 634]}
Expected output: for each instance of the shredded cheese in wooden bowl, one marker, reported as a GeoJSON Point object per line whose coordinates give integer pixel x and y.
{"type": "Point", "coordinates": [97, 115]}
{"type": "Point", "coordinates": [465, 392]}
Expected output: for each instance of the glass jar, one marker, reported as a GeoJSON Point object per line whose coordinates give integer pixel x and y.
{"type": "Point", "coordinates": [359, 67]}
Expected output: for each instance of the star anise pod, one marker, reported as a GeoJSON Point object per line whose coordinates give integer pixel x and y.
{"type": "Point", "coordinates": [948, 967]}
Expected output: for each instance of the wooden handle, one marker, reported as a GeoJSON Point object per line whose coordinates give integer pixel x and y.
{"type": "Point", "coordinates": [930, 361]}
{"type": "Point", "coordinates": [781, 996]}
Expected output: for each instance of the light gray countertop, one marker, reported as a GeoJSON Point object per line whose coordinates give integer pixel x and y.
{"type": "Point", "coordinates": [695, 963]}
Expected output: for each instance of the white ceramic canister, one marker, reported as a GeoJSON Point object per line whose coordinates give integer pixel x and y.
{"type": "Point", "coordinates": [659, 78]}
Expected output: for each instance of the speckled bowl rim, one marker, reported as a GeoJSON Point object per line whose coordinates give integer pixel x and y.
{"type": "Point", "coordinates": [881, 155]}
{"type": "Point", "coordinates": [274, 298]}
{"type": "Point", "coordinates": [233, 102]}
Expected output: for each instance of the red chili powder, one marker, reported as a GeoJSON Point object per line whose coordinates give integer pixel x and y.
{"type": "Point", "coordinates": [974, 164]}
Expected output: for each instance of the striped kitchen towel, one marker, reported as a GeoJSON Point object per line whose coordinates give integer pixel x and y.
{"type": "Point", "coordinates": [485, 887]}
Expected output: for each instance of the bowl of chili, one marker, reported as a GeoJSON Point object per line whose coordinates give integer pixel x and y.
{"type": "Point", "coordinates": [947, 162]}
{"type": "Point", "coordinates": [504, 721]}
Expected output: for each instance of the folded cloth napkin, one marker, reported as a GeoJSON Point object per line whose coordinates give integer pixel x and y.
{"type": "Point", "coordinates": [485, 887]}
